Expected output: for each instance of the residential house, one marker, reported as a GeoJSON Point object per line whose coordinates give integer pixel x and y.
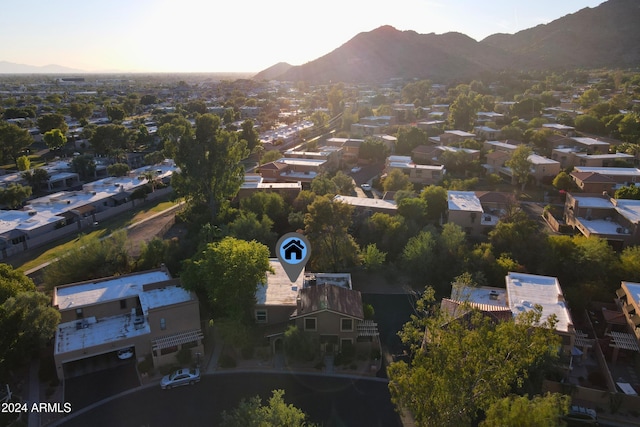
{"type": "Point", "coordinates": [598, 215]}
{"type": "Point", "coordinates": [594, 183]}
{"type": "Point", "coordinates": [574, 156]}
{"type": "Point", "coordinates": [453, 137]}
{"type": "Point", "coordinates": [421, 174]}
{"type": "Point", "coordinates": [148, 311]}
{"type": "Point", "coordinates": [502, 146]}
{"type": "Point", "coordinates": [292, 170]}
{"type": "Point", "coordinates": [628, 298]}
{"type": "Point", "coordinates": [561, 129]}
{"type": "Point", "coordinates": [542, 169]}
{"type": "Point", "coordinates": [388, 140]}
{"type": "Point", "coordinates": [465, 210]}
{"type": "Point", "coordinates": [323, 305]}
{"type": "Point", "coordinates": [350, 147]}
{"type": "Point", "coordinates": [332, 155]}
{"type": "Point", "coordinates": [486, 133]}
{"type": "Point", "coordinates": [255, 183]}
{"type": "Point", "coordinates": [621, 176]}
{"type": "Point", "coordinates": [367, 206]}
{"type": "Point", "coordinates": [522, 293]}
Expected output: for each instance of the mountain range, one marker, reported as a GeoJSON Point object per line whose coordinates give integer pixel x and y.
{"type": "Point", "coordinates": [13, 68]}
{"type": "Point", "coordinates": [604, 36]}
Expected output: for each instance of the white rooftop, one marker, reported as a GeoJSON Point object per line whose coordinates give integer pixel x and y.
{"type": "Point", "coordinates": [589, 141]}
{"type": "Point", "coordinates": [302, 162]}
{"type": "Point", "coordinates": [84, 294]}
{"type": "Point", "coordinates": [502, 145]}
{"type": "Point", "coordinates": [26, 220]}
{"type": "Point", "coordinates": [634, 291]}
{"type": "Point", "coordinates": [593, 202]}
{"type": "Point", "coordinates": [366, 202]}
{"type": "Point", "coordinates": [460, 133]}
{"type": "Point", "coordinates": [464, 201]}
{"type": "Point", "coordinates": [278, 290]}
{"type": "Point", "coordinates": [485, 295]}
{"type": "Point", "coordinates": [609, 171]}
{"type": "Point", "coordinates": [629, 208]}
{"type": "Point", "coordinates": [527, 290]}
{"type": "Point", "coordinates": [537, 159]}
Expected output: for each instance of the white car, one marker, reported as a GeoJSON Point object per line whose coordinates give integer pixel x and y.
{"type": "Point", "coordinates": [125, 353]}
{"type": "Point", "coordinates": [356, 169]}
{"type": "Point", "coordinates": [366, 187]}
{"type": "Point", "coordinates": [184, 376]}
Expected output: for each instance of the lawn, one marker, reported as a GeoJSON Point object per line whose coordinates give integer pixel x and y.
{"type": "Point", "coordinates": [49, 252]}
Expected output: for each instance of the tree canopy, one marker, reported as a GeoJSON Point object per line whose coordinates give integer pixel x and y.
{"type": "Point", "coordinates": [461, 368]}
{"type": "Point", "coordinates": [226, 274]}
{"type": "Point", "coordinates": [277, 413]}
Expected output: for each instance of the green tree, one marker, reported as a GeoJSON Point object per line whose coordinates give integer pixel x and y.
{"type": "Point", "coordinates": [248, 227]}
{"type": "Point", "coordinates": [372, 258]}
{"type": "Point", "coordinates": [226, 274]}
{"type": "Point", "coordinates": [80, 111]}
{"type": "Point", "coordinates": [344, 183]}
{"type": "Point", "coordinates": [520, 164]}
{"type": "Point", "coordinates": [630, 263]}
{"type": "Point", "coordinates": [154, 158]}
{"type": "Point", "coordinates": [52, 121]}
{"type": "Point", "coordinates": [418, 93]}
{"type": "Point", "coordinates": [322, 185]}
{"type": "Point", "coordinates": [13, 141]}
{"type": "Point", "coordinates": [270, 156]}
{"type": "Point", "coordinates": [118, 169]}
{"type": "Point", "coordinates": [335, 99]}
{"type": "Point", "coordinates": [628, 192]}
{"type": "Point", "coordinates": [563, 181]}
{"type": "Point", "coordinates": [84, 166]}
{"type": "Point", "coordinates": [629, 128]}
{"type": "Point", "coordinates": [54, 139]}
{"type": "Point", "coordinates": [373, 149]}
{"type": "Point", "coordinates": [23, 163]}
{"type": "Point", "coordinates": [14, 195]}
{"type": "Point", "coordinates": [462, 112]}
{"type": "Point", "coordinates": [460, 369]}
{"type": "Point", "coordinates": [326, 225]}
{"type": "Point", "coordinates": [91, 258]}
{"type": "Point", "coordinates": [36, 178]}
{"type": "Point", "coordinates": [436, 198]}
{"type": "Point", "coordinates": [414, 212]}
{"type": "Point", "coordinates": [418, 255]}
{"type": "Point", "coordinates": [589, 98]}
{"type": "Point", "coordinates": [524, 412]}
{"type": "Point", "coordinates": [27, 321]}
{"type": "Point", "coordinates": [277, 413]}
{"type": "Point", "coordinates": [397, 180]}
{"type": "Point", "coordinates": [110, 138]}
{"type": "Point", "coordinates": [263, 204]}
{"type": "Point", "coordinates": [410, 138]}
{"type": "Point", "coordinates": [248, 133]}
{"type": "Point", "coordinates": [210, 169]}
{"type": "Point", "coordinates": [116, 112]}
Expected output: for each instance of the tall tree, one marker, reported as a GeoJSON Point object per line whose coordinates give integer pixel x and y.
{"type": "Point", "coordinates": [110, 138]}
{"type": "Point", "coordinates": [54, 139]}
{"type": "Point", "coordinates": [327, 224]}
{"type": "Point", "coordinates": [36, 177]}
{"type": "Point", "coordinates": [461, 368]}
{"type": "Point", "coordinates": [520, 164]}
{"type": "Point", "coordinates": [524, 412]}
{"type": "Point", "coordinates": [13, 141]}
{"type": "Point", "coordinates": [227, 274]}
{"type": "Point", "coordinates": [210, 169]}
{"type": "Point", "coordinates": [51, 121]}
{"type": "Point", "coordinates": [397, 180]}
{"type": "Point", "coordinates": [14, 195]}
{"type": "Point", "coordinates": [249, 134]}
{"type": "Point", "coordinates": [80, 110]}
{"type": "Point", "coordinates": [251, 413]}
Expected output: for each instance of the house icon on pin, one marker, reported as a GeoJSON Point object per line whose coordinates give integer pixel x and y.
{"type": "Point", "coordinates": [293, 249]}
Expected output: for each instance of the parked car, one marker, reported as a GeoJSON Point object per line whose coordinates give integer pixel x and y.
{"type": "Point", "coordinates": [579, 416]}
{"type": "Point", "coordinates": [125, 353]}
{"type": "Point", "coordinates": [356, 169]}
{"type": "Point", "coordinates": [184, 376]}
{"type": "Point", "coordinates": [366, 187]}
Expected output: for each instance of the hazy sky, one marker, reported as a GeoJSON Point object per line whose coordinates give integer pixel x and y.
{"type": "Point", "coordinates": [237, 35]}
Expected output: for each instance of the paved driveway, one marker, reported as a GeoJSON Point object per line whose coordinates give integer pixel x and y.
{"type": "Point", "coordinates": [86, 389]}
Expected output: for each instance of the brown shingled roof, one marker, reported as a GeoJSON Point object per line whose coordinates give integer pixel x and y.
{"type": "Point", "coordinates": [331, 298]}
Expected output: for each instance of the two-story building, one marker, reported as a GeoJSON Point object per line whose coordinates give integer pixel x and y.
{"type": "Point", "coordinates": [149, 312]}
{"type": "Point", "coordinates": [420, 174]}
{"type": "Point", "coordinates": [465, 210]}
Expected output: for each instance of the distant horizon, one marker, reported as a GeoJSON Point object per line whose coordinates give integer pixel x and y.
{"type": "Point", "coordinates": [164, 36]}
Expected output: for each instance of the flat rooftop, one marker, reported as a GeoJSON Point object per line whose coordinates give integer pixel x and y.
{"type": "Point", "coordinates": [86, 333]}
{"type": "Point", "coordinates": [463, 201]}
{"type": "Point", "coordinates": [593, 202]}
{"type": "Point", "coordinates": [634, 291]}
{"type": "Point", "coordinates": [84, 294]}
{"type": "Point", "coordinates": [366, 202]}
{"type": "Point", "coordinates": [278, 289]}
{"type": "Point", "coordinates": [483, 295]}
{"type": "Point", "coordinates": [527, 290]}
{"type": "Point", "coordinates": [609, 171]}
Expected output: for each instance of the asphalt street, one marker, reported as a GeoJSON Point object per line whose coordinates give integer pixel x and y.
{"type": "Point", "coordinates": [329, 401]}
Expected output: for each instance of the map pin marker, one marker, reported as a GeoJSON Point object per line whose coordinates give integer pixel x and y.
{"type": "Point", "coordinates": [293, 251]}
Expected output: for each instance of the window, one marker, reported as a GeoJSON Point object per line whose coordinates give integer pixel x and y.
{"type": "Point", "coordinates": [310, 324]}
{"type": "Point", "coordinates": [123, 303]}
{"type": "Point", "coordinates": [163, 324]}
{"type": "Point", "coordinates": [261, 316]}
{"type": "Point", "coordinates": [79, 313]}
{"type": "Point", "coordinates": [346, 325]}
